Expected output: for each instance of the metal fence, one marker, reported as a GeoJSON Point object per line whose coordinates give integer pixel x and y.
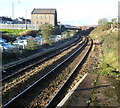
{"type": "Point", "coordinates": [19, 26]}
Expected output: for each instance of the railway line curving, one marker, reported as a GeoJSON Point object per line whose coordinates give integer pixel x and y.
{"type": "Point", "coordinates": [48, 77]}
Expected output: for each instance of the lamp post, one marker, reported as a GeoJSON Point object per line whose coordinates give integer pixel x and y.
{"type": "Point", "coordinates": [13, 15]}
{"type": "Point", "coordinates": [26, 18]}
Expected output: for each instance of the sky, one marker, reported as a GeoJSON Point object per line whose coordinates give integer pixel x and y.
{"type": "Point", "coordinates": [72, 12]}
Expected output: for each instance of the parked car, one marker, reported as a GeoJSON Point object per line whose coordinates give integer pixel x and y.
{"type": "Point", "coordinates": [2, 40]}
{"type": "Point", "coordinates": [20, 42]}
{"type": "Point", "coordinates": [7, 46]}
{"type": "Point", "coordinates": [38, 41]}
{"type": "Point", "coordinates": [38, 36]}
{"type": "Point", "coordinates": [1, 47]}
{"type": "Point", "coordinates": [57, 38]}
{"type": "Point", "coordinates": [20, 38]}
{"type": "Point", "coordinates": [30, 37]}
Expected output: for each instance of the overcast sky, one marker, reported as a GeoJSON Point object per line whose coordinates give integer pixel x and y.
{"type": "Point", "coordinates": [73, 12]}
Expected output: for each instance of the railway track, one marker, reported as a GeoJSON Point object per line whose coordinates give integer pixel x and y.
{"type": "Point", "coordinates": [16, 100]}
{"type": "Point", "coordinates": [18, 83]}
{"type": "Point", "coordinates": [22, 66]}
{"type": "Point", "coordinates": [60, 94]}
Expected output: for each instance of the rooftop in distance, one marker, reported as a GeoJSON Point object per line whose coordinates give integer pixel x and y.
{"type": "Point", "coordinates": [43, 11]}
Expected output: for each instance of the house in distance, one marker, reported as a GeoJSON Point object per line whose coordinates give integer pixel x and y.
{"type": "Point", "coordinates": [41, 16]}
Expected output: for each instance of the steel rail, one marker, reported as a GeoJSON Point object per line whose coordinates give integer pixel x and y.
{"type": "Point", "coordinates": [14, 100]}
{"type": "Point", "coordinates": [35, 56]}
{"type": "Point", "coordinates": [38, 62]}
{"type": "Point", "coordinates": [52, 102]}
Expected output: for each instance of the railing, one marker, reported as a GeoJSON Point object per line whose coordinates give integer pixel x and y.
{"type": "Point", "coordinates": [19, 26]}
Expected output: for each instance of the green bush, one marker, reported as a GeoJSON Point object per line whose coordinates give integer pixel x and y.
{"type": "Point", "coordinates": [105, 68]}
{"type": "Point", "coordinates": [47, 31]}
{"type": "Point", "coordinates": [10, 56]}
{"type": "Point", "coordinates": [109, 39]}
{"type": "Point", "coordinates": [31, 45]}
{"type": "Point", "coordinates": [9, 38]}
{"type": "Point", "coordinates": [30, 33]}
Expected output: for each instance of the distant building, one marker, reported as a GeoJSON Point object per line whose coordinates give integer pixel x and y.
{"type": "Point", "coordinates": [42, 16]}
{"type": "Point", "coordinates": [21, 20]}
{"type": "Point", "coordinates": [5, 20]}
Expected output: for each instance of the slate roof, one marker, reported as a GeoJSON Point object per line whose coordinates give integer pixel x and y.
{"type": "Point", "coordinates": [2, 18]}
{"type": "Point", "coordinates": [43, 11]}
{"type": "Point", "coordinates": [24, 19]}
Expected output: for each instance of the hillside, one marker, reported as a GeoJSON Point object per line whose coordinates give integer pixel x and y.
{"type": "Point", "coordinates": [107, 70]}
{"type": "Point", "coordinates": [107, 39]}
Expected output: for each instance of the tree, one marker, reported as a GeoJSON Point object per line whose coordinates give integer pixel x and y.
{"type": "Point", "coordinates": [31, 45]}
{"type": "Point", "coordinates": [102, 21]}
{"type": "Point", "coordinates": [73, 33]}
{"type": "Point", "coordinates": [65, 34]}
{"type": "Point", "coordinates": [47, 31]}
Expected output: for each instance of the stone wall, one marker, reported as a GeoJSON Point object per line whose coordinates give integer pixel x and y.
{"type": "Point", "coordinates": [39, 19]}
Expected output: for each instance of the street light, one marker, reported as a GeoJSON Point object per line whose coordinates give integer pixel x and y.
{"type": "Point", "coordinates": [13, 14]}
{"type": "Point", "coordinates": [26, 18]}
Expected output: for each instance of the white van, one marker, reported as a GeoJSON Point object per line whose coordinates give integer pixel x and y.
{"type": "Point", "coordinates": [20, 42]}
